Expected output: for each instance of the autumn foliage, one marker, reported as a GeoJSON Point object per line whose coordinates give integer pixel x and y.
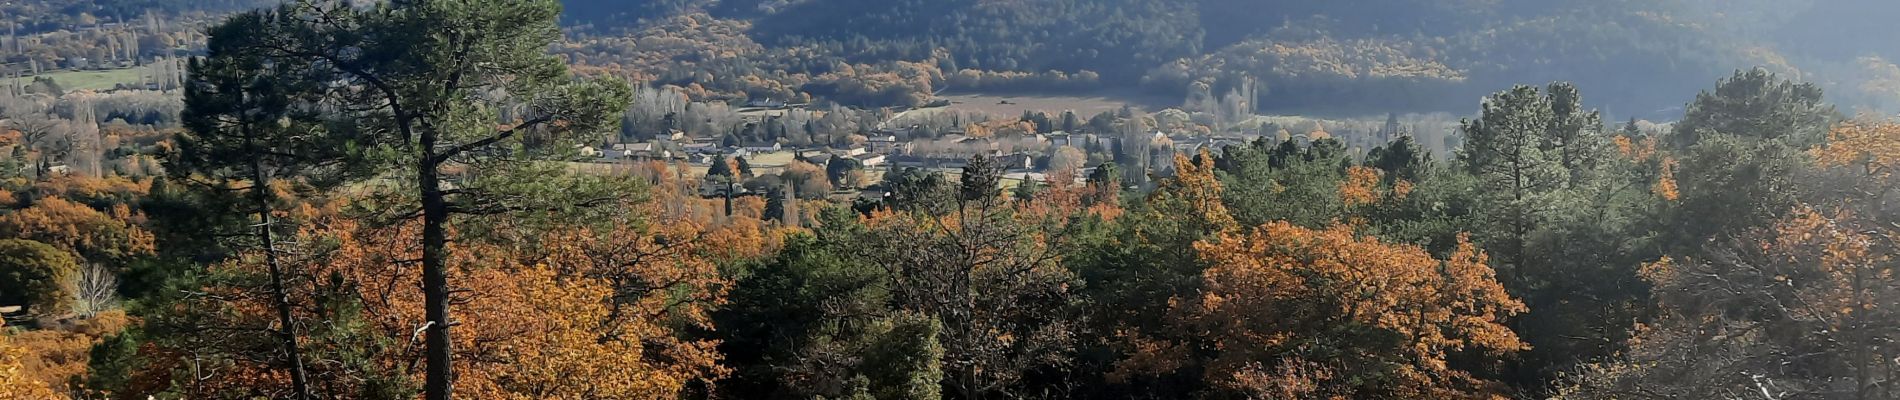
{"type": "Point", "coordinates": [571, 313]}
{"type": "Point", "coordinates": [1872, 146]}
{"type": "Point", "coordinates": [1292, 312]}
{"type": "Point", "coordinates": [16, 381]}
{"type": "Point", "coordinates": [111, 236]}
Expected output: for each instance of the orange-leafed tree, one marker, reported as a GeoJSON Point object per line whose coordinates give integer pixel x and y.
{"type": "Point", "coordinates": [1870, 147]}
{"type": "Point", "coordinates": [572, 304]}
{"type": "Point", "coordinates": [1360, 187]}
{"type": "Point", "coordinates": [1293, 312]}
{"type": "Point", "coordinates": [1197, 188]}
{"type": "Point", "coordinates": [110, 237]}
{"type": "Point", "coordinates": [16, 382]}
{"type": "Point", "coordinates": [58, 353]}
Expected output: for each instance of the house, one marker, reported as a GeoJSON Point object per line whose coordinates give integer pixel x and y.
{"type": "Point", "coordinates": [710, 188]}
{"type": "Point", "coordinates": [927, 161]}
{"type": "Point", "coordinates": [908, 131]}
{"type": "Point", "coordinates": [1016, 161]}
{"type": "Point", "coordinates": [762, 148]}
{"type": "Point", "coordinates": [765, 103]}
{"type": "Point", "coordinates": [853, 151]}
{"type": "Point", "coordinates": [1025, 176]}
{"type": "Point", "coordinates": [869, 160]}
{"type": "Point", "coordinates": [701, 149]}
{"type": "Point", "coordinates": [628, 151]}
{"type": "Point", "coordinates": [886, 144]}
{"type": "Point", "coordinates": [1059, 139]}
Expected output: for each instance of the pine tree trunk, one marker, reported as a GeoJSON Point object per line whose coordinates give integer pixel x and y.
{"type": "Point", "coordinates": [434, 272]}
{"type": "Point", "coordinates": [260, 194]}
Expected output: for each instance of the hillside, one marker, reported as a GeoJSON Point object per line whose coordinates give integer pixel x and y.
{"type": "Point", "coordinates": [1375, 55]}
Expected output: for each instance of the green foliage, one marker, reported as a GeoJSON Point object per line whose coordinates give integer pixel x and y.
{"type": "Point", "coordinates": [1566, 220]}
{"type": "Point", "coordinates": [1026, 191]}
{"type": "Point", "coordinates": [981, 180]}
{"type": "Point", "coordinates": [36, 275]}
{"type": "Point", "coordinates": [1740, 147]}
{"type": "Point", "coordinates": [1403, 159]}
{"type": "Point", "coordinates": [837, 168]}
{"type": "Point", "coordinates": [915, 189]}
{"type": "Point", "coordinates": [721, 167]}
{"type": "Point", "coordinates": [904, 361]}
{"type": "Point", "coordinates": [1286, 182]}
{"type": "Point", "coordinates": [1730, 183]}
{"type": "Point", "coordinates": [1756, 104]}
{"type": "Point", "coordinates": [805, 303]}
{"type": "Point", "coordinates": [745, 167]}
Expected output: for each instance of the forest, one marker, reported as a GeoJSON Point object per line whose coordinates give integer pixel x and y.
{"type": "Point", "coordinates": [411, 199]}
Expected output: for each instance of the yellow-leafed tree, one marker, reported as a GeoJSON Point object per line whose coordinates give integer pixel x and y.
{"type": "Point", "coordinates": [1291, 312]}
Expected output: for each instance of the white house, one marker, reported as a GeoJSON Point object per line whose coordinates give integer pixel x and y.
{"type": "Point", "coordinates": [624, 151]}
{"type": "Point", "coordinates": [772, 148]}
{"type": "Point", "coordinates": [870, 160]}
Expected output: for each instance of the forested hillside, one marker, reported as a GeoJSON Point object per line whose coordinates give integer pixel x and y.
{"type": "Point", "coordinates": [1396, 55]}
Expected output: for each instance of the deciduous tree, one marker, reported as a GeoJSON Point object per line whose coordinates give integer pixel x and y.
{"type": "Point", "coordinates": [36, 275]}
{"type": "Point", "coordinates": [1290, 311]}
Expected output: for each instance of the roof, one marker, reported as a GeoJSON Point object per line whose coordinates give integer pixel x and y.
{"type": "Point", "coordinates": [631, 147]}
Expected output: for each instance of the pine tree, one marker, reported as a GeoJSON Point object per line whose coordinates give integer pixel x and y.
{"type": "Point", "coordinates": [414, 75]}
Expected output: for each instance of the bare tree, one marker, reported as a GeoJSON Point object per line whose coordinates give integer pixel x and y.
{"type": "Point", "coordinates": [40, 131]}
{"type": "Point", "coordinates": [97, 290]}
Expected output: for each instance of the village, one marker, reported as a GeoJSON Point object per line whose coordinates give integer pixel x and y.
{"type": "Point", "coordinates": [1031, 148]}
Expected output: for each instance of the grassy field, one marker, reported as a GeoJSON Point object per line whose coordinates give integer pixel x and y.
{"type": "Point", "coordinates": [90, 80]}
{"type": "Point", "coordinates": [771, 160]}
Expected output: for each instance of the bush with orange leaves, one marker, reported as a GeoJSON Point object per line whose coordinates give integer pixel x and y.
{"type": "Point", "coordinates": [1303, 313]}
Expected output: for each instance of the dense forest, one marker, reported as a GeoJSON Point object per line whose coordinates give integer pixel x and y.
{"type": "Point", "coordinates": [410, 199]}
